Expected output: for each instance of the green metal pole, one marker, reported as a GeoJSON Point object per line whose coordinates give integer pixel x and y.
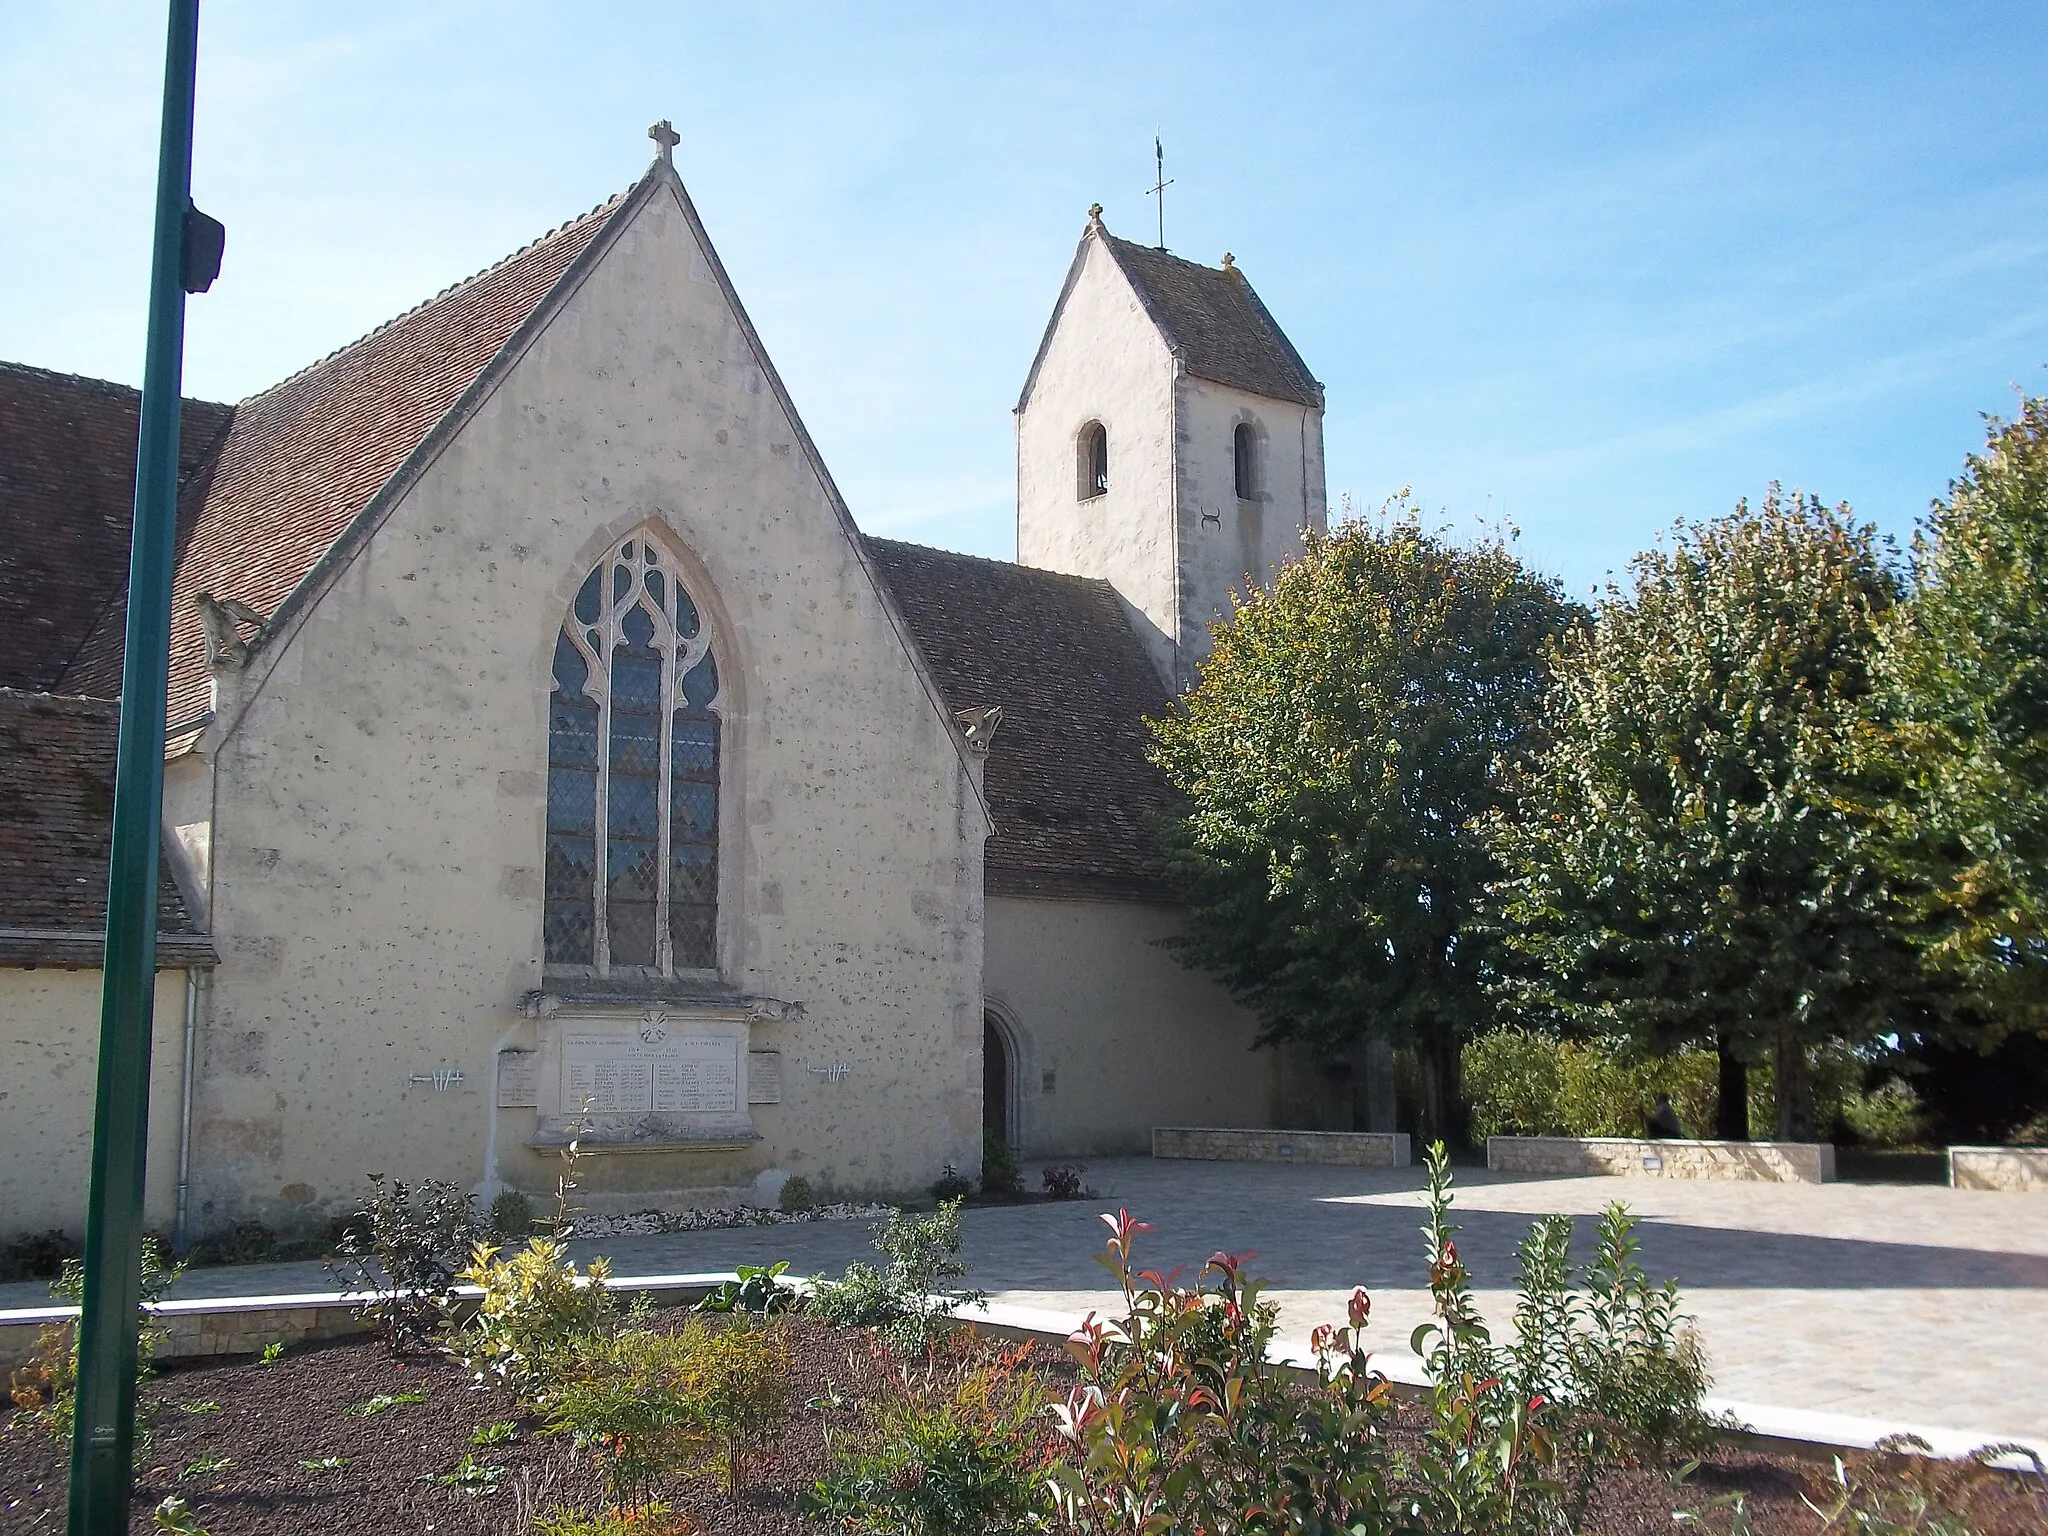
{"type": "Point", "coordinates": [103, 1438]}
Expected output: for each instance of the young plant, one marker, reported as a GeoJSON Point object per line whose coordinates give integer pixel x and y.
{"type": "Point", "coordinates": [1001, 1178]}
{"type": "Point", "coordinates": [405, 1249]}
{"type": "Point", "coordinates": [382, 1403]}
{"type": "Point", "coordinates": [469, 1475]}
{"type": "Point", "coordinates": [909, 1300]}
{"type": "Point", "coordinates": [497, 1433]}
{"type": "Point", "coordinates": [957, 1448]}
{"type": "Point", "coordinates": [796, 1197]}
{"type": "Point", "coordinates": [534, 1315]}
{"type": "Point", "coordinates": [1064, 1181]}
{"type": "Point", "coordinates": [176, 1516]}
{"type": "Point", "coordinates": [44, 1388]}
{"type": "Point", "coordinates": [737, 1383]}
{"type": "Point", "coordinates": [1181, 1424]}
{"type": "Point", "coordinates": [655, 1404]}
{"type": "Point", "coordinates": [758, 1292]}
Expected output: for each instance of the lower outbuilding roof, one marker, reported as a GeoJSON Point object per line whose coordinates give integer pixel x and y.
{"type": "Point", "coordinates": [56, 837]}
{"type": "Point", "coordinates": [1076, 802]}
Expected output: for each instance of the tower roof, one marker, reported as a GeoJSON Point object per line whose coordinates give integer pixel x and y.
{"type": "Point", "coordinates": [1215, 324]}
{"type": "Point", "coordinates": [1211, 318]}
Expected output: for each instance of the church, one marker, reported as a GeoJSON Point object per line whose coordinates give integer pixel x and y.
{"type": "Point", "coordinates": [551, 756]}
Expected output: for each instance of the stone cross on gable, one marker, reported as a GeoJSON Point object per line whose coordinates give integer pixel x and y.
{"type": "Point", "coordinates": [665, 140]}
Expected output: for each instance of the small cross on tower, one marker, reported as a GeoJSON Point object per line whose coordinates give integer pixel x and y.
{"type": "Point", "coordinates": [665, 141]}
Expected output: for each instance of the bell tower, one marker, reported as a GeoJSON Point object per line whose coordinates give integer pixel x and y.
{"type": "Point", "coordinates": [1169, 440]}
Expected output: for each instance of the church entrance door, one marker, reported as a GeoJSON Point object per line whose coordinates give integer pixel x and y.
{"type": "Point", "coordinates": [995, 1082]}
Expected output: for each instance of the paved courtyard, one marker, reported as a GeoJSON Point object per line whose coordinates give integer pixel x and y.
{"type": "Point", "coordinates": [1911, 1304]}
{"type": "Point", "coordinates": [1914, 1305]}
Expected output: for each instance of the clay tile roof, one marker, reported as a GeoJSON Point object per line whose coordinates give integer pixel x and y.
{"type": "Point", "coordinates": [1215, 324]}
{"type": "Point", "coordinates": [303, 459]}
{"type": "Point", "coordinates": [67, 490]}
{"type": "Point", "coordinates": [1075, 802]}
{"type": "Point", "coordinates": [56, 830]}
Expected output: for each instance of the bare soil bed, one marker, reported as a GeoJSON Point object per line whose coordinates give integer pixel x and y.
{"type": "Point", "coordinates": [280, 1453]}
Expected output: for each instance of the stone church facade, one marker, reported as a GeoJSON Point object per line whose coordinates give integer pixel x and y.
{"type": "Point", "coordinates": [552, 755]}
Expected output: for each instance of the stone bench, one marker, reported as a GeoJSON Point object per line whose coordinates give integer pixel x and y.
{"type": "Point", "coordinates": [1777, 1162]}
{"type": "Point", "coordinates": [2018, 1170]}
{"type": "Point", "coordinates": [1346, 1149]}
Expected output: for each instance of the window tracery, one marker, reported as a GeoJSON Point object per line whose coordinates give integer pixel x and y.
{"type": "Point", "coordinates": [633, 762]}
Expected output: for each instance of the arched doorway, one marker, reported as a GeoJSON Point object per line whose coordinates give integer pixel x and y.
{"type": "Point", "coordinates": [996, 1075]}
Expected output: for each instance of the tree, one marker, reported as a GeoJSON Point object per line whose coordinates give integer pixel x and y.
{"type": "Point", "coordinates": [1964, 743]}
{"type": "Point", "coordinates": [1349, 727]}
{"type": "Point", "coordinates": [1685, 863]}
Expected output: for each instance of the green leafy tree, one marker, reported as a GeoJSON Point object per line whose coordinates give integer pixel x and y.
{"type": "Point", "coordinates": [1964, 750]}
{"type": "Point", "coordinates": [1350, 726]}
{"type": "Point", "coordinates": [1686, 863]}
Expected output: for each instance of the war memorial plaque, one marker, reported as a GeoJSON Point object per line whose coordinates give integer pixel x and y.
{"type": "Point", "coordinates": [614, 1069]}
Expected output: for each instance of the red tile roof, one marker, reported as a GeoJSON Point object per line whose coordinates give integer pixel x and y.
{"type": "Point", "coordinates": [303, 459]}
{"type": "Point", "coordinates": [67, 493]}
{"type": "Point", "coordinates": [1076, 803]}
{"type": "Point", "coordinates": [56, 832]}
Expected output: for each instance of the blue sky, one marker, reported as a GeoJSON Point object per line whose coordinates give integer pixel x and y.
{"type": "Point", "coordinates": [1590, 267]}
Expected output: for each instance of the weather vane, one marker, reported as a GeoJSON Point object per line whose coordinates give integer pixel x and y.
{"type": "Point", "coordinates": [1158, 188]}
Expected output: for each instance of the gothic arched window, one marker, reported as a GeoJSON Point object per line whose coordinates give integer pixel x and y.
{"type": "Point", "coordinates": [1244, 445]}
{"type": "Point", "coordinates": [632, 837]}
{"type": "Point", "coordinates": [1091, 461]}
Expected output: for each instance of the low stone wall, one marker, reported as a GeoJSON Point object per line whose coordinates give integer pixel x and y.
{"type": "Point", "coordinates": [2017, 1170]}
{"type": "Point", "coordinates": [1777, 1162]}
{"type": "Point", "coordinates": [1349, 1149]}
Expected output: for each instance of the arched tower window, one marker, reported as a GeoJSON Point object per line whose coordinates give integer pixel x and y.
{"type": "Point", "coordinates": [1091, 461]}
{"type": "Point", "coordinates": [632, 835]}
{"type": "Point", "coordinates": [1245, 447]}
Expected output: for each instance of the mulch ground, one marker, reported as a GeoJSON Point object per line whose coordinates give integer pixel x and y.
{"type": "Point", "coordinates": [266, 1450]}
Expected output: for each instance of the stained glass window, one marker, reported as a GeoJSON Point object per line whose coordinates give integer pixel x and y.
{"type": "Point", "coordinates": [633, 760]}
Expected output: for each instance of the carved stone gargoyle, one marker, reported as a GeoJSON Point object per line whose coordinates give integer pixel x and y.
{"type": "Point", "coordinates": [979, 726]}
{"type": "Point", "coordinates": [219, 617]}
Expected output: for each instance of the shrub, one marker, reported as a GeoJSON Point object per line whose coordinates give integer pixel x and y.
{"type": "Point", "coordinates": [1064, 1181]}
{"type": "Point", "coordinates": [37, 1255]}
{"type": "Point", "coordinates": [44, 1388]}
{"type": "Point", "coordinates": [1890, 1115]}
{"type": "Point", "coordinates": [956, 1449]}
{"type": "Point", "coordinates": [907, 1301]}
{"type": "Point", "coordinates": [534, 1314]}
{"type": "Point", "coordinates": [405, 1247]}
{"type": "Point", "coordinates": [738, 1386]}
{"type": "Point", "coordinates": [511, 1214]}
{"type": "Point", "coordinates": [758, 1292]}
{"type": "Point", "coordinates": [796, 1197]}
{"type": "Point", "coordinates": [951, 1184]}
{"type": "Point", "coordinates": [1524, 1082]}
{"type": "Point", "coordinates": [657, 1403]}
{"type": "Point", "coordinates": [246, 1242]}
{"type": "Point", "coordinates": [1181, 1424]}
{"type": "Point", "coordinates": [1001, 1178]}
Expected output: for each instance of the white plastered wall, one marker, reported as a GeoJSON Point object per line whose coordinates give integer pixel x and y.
{"type": "Point", "coordinates": [49, 1065]}
{"type": "Point", "coordinates": [380, 805]}
{"type": "Point", "coordinates": [1225, 539]}
{"type": "Point", "coordinates": [1104, 362]}
{"type": "Point", "coordinates": [1131, 1038]}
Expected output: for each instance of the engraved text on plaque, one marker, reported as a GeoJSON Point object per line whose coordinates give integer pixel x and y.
{"type": "Point", "coordinates": [613, 1069]}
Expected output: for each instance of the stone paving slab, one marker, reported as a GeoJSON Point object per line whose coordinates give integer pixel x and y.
{"type": "Point", "coordinates": [1904, 1303]}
